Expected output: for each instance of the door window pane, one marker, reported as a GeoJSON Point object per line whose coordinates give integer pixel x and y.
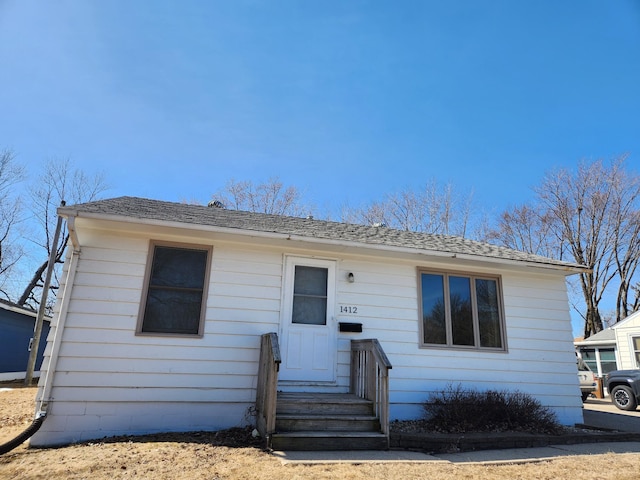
{"type": "Point", "coordinates": [488, 313]}
{"type": "Point", "coordinates": [309, 310]}
{"type": "Point", "coordinates": [310, 281]}
{"type": "Point", "coordinates": [461, 313]}
{"type": "Point", "coordinates": [310, 295]}
{"type": "Point", "coordinates": [433, 309]}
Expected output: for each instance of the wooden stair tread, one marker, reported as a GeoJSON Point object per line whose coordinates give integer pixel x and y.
{"type": "Point", "coordinates": [316, 416]}
{"type": "Point", "coordinates": [329, 433]}
{"type": "Point", "coordinates": [321, 397]}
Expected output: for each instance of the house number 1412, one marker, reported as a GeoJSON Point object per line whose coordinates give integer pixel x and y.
{"type": "Point", "coordinates": [349, 309]}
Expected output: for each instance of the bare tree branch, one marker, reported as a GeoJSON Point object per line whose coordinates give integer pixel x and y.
{"type": "Point", "coordinates": [11, 251]}
{"type": "Point", "coordinates": [268, 197]}
{"type": "Point", "coordinates": [59, 181]}
{"type": "Point", "coordinates": [434, 209]}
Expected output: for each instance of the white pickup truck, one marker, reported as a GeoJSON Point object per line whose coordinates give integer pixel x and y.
{"type": "Point", "coordinates": [587, 379]}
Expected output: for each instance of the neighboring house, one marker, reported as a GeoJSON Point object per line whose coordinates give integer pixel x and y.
{"type": "Point", "coordinates": [599, 351]}
{"type": "Point", "coordinates": [614, 348]}
{"type": "Point", "coordinates": [16, 331]}
{"type": "Point", "coordinates": [628, 341]}
{"type": "Point", "coordinates": [163, 306]}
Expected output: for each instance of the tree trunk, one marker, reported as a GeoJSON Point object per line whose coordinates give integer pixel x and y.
{"type": "Point", "coordinates": [593, 321]}
{"type": "Point", "coordinates": [31, 286]}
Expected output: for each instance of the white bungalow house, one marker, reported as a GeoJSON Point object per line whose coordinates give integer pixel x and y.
{"type": "Point", "coordinates": [614, 348]}
{"type": "Point", "coordinates": [164, 308]}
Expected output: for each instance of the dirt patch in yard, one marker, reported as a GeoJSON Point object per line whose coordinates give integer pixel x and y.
{"type": "Point", "coordinates": [234, 454]}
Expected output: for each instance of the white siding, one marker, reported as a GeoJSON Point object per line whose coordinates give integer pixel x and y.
{"type": "Point", "coordinates": [110, 381]}
{"type": "Point", "coordinates": [625, 332]}
{"type": "Point", "coordinates": [539, 359]}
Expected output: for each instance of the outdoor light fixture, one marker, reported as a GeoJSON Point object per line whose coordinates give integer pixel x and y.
{"type": "Point", "coordinates": [351, 278]}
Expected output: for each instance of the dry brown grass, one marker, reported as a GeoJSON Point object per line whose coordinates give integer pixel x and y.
{"type": "Point", "coordinates": [189, 457]}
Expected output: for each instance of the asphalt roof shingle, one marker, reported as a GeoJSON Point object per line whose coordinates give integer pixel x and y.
{"type": "Point", "coordinates": [161, 211]}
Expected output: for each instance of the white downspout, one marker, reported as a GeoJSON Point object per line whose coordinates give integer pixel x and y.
{"type": "Point", "coordinates": [42, 403]}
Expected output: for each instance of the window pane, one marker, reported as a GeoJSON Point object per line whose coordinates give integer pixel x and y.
{"type": "Point", "coordinates": [589, 357]}
{"type": "Point", "coordinates": [461, 313]}
{"type": "Point", "coordinates": [607, 355]}
{"type": "Point", "coordinates": [310, 281]}
{"type": "Point", "coordinates": [608, 360]}
{"type": "Point", "coordinates": [433, 311]}
{"type": "Point", "coordinates": [310, 295]}
{"type": "Point", "coordinates": [178, 267]}
{"type": "Point", "coordinates": [309, 310]}
{"type": "Point", "coordinates": [488, 313]}
{"type": "Point", "coordinates": [171, 311]}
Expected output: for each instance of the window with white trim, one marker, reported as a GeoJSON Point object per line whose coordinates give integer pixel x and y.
{"type": "Point", "coordinates": [635, 341]}
{"type": "Point", "coordinates": [174, 296]}
{"type": "Point", "coordinates": [461, 311]}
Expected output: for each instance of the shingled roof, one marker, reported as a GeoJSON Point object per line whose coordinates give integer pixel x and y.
{"type": "Point", "coordinates": [133, 208]}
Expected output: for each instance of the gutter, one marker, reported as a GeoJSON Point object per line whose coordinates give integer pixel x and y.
{"type": "Point", "coordinates": [42, 403]}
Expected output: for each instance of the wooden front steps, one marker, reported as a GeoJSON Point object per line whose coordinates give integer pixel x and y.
{"type": "Point", "coordinates": [326, 421]}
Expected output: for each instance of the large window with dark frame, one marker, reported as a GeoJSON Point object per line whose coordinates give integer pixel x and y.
{"type": "Point", "coordinates": [175, 291]}
{"type": "Point", "coordinates": [461, 311]}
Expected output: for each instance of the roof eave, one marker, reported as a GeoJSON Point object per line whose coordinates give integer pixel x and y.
{"type": "Point", "coordinates": [69, 213]}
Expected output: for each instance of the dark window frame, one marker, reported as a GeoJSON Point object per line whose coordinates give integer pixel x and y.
{"type": "Point", "coordinates": [448, 344]}
{"type": "Point", "coordinates": [141, 329]}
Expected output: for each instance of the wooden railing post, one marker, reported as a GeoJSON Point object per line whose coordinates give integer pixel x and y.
{"type": "Point", "coordinates": [370, 377]}
{"type": "Point", "coordinates": [267, 386]}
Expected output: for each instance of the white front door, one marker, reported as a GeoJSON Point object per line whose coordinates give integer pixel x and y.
{"type": "Point", "coordinates": [308, 338]}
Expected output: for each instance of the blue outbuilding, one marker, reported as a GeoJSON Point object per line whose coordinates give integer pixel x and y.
{"type": "Point", "coordinates": [16, 332]}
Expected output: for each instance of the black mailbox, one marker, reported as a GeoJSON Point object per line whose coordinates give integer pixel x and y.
{"type": "Point", "coordinates": [350, 327]}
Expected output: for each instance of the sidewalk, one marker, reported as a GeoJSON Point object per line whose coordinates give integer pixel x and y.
{"type": "Point", "coordinates": [485, 457]}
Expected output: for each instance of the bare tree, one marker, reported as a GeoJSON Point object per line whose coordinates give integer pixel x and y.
{"type": "Point", "coordinates": [434, 209]}
{"type": "Point", "coordinates": [596, 208]}
{"type": "Point", "coordinates": [59, 181]}
{"type": "Point", "coordinates": [267, 197]}
{"type": "Point", "coordinates": [528, 229]}
{"type": "Point", "coordinates": [10, 215]}
{"type": "Point", "coordinates": [589, 216]}
{"type": "Point", "coordinates": [626, 249]}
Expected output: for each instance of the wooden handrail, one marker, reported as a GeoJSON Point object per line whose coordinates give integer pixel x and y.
{"type": "Point", "coordinates": [370, 377]}
{"type": "Point", "coordinates": [267, 387]}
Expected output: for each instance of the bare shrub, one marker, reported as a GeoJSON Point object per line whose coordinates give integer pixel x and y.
{"type": "Point", "coordinates": [457, 410]}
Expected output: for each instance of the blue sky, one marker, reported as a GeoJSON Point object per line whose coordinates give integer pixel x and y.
{"type": "Point", "coordinates": [348, 100]}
